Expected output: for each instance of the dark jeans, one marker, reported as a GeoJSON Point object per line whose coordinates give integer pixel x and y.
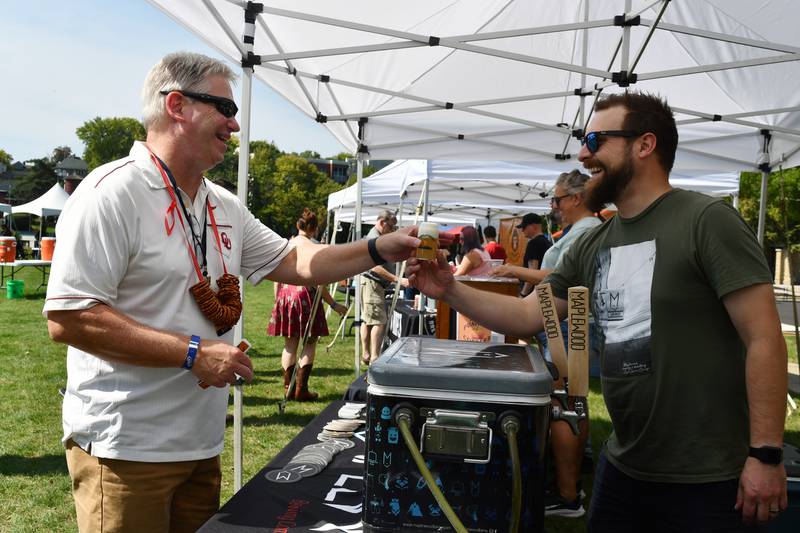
{"type": "Point", "coordinates": [621, 504]}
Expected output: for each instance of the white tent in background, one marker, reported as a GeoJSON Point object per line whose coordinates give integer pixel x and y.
{"type": "Point", "coordinates": [49, 204]}
{"type": "Point", "coordinates": [485, 189]}
{"type": "Point", "coordinates": [5, 208]}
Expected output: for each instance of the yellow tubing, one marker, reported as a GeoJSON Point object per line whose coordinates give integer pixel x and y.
{"type": "Point", "coordinates": [516, 481]}
{"type": "Point", "coordinates": [423, 469]}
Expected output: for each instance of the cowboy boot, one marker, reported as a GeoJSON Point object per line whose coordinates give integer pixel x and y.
{"type": "Point", "coordinates": [301, 392]}
{"type": "Point", "coordinates": [287, 379]}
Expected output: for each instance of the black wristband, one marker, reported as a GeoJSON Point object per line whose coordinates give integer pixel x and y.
{"type": "Point", "coordinates": [372, 246]}
{"type": "Point", "coordinates": [769, 455]}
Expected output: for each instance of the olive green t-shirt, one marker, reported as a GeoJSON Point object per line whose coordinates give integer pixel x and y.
{"type": "Point", "coordinates": [672, 363]}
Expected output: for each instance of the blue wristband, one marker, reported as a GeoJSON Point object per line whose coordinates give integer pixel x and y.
{"type": "Point", "coordinates": [194, 344]}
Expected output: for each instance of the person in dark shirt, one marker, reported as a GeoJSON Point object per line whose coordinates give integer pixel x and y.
{"type": "Point", "coordinates": [538, 244]}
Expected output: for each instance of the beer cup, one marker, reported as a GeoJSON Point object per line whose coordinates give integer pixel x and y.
{"type": "Point", "coordinates": [428, 234]}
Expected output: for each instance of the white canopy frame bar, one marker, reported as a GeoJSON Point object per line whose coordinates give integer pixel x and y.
{"type": "Point", "coordinates": [703, 153]}
{"type": "Point", "coordinates": [225, 28]}
{"type": "Point", "coordinates": [723, 118]}
{"type": "Point", "coordinates": [725, 37]}
{"type": "Point", "coordinates": [441, 136]}
{"type": "Point", "coordinates": [489, 185]}
{"type": "Point", "coordinates": [704, 69]}
{"type": "Point", "coordinates": [720, 138]}
{"type": "Point", "coordinates": [430, 41]}
{"type": "Point", "coordinates": [462, 138]}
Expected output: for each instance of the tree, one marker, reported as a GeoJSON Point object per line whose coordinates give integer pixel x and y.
{"type": "Point", "coordinates": [776, 232]}
{"type": "Point", "coordinates": [342, 156]}
{"type": "Point", "coordinates": [369, 170]}
{"type": "Point", "coordinates": [107, 139]}
{"type": "Point", "coordinates": [60, 153]}
{"type": "Point", "coordinates": [226, 173]}
{"type": "Point", "coordinates": [35, 182]}
{"type": "Point", "coordinates": [5, 158]}
{"type": "Point", "coordinates": [310, 154]}
{"type": "Point", "coordinates": [295, 184]}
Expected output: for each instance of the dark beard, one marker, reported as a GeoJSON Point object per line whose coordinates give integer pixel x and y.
{"type": "Point", "coordinates": [607, 189]}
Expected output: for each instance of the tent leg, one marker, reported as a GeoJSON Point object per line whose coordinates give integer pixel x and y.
{"type": "Point", "coordinates": [356, 237]}
{"type": "Point", "coordinates": [244, 163]}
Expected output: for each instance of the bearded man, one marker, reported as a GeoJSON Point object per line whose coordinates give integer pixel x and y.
{"type": "Point", "coordinates": [693, 363]}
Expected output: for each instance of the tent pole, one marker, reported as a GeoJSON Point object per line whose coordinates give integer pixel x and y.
{"type": "Point", "coordinates": [426, 204]}
{"type": "Point", "coordinates": [241, 189]}
{"type": "Point", "coordinates": [582, 109]}
{"type": "Point", "coordinates": [763, 165]}
{"type": "Point", "coordinates": [360, 156]}
{"type": "Point", "coordinates": [626, 41]}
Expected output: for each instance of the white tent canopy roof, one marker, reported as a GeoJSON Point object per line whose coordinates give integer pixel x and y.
{"type": "Point", "coordinates": [49, 204]}
{"type": "Point", "coordinates": [486, 189]}
{"type": "Point", "coordinates": [507, 79]}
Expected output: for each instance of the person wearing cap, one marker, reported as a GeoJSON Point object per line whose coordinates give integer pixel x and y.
{"type": "Point", "coordinates": [373, 294]}
{"type": "Point", "coordinates": [692, 359]}
{"type": "Point", "coordinates": [144, 290]}
{"type": "Point", "coordinates": [537, 246]}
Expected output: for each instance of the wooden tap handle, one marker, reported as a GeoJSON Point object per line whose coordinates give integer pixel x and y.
{"type": "Point", "coordinates": [552, 327]}
{"type": "Point", "coordinates": [578, 343]}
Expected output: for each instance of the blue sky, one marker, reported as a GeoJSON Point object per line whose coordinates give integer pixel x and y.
{"type": "Point", "coordinates": [63, 62]}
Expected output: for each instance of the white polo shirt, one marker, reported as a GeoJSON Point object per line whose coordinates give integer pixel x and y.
{"type": "Point", "coordinates": [114, 248]}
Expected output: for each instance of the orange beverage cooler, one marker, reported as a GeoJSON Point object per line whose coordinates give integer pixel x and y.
{"type": "Point", "coordinates": [48, 245]}
{"type": "Point", "coordinates": [8, 249]}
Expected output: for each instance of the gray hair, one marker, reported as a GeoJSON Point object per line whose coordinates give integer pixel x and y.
{"type": "Point", "coordinates": [178, 71]}
{"type": "Point", "coordinates": [387, 216]}
{"type": "Point", "coordinates": [573, 181]}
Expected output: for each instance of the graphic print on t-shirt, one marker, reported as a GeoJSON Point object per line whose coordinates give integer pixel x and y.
{"type": "Point", "coordinates": [621, 306]}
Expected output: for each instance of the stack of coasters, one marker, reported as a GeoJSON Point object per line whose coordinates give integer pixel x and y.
{"type": "Point", "coordinates": [342, 428]}
{"type": "Point", "coordinates": [352, 410]}
{"type": "Point", "coordinates": [309, 461]}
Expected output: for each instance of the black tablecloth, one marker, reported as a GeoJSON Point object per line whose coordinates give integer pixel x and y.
{"type": "Point", "coordinates": [332, 497]}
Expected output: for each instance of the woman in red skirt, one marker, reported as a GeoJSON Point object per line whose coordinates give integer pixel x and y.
{"type": "Point", "coordinates": [292, 314]}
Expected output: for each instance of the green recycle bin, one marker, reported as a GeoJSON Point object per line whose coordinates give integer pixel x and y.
{"type": "Point", "coordinates": [15, 289]}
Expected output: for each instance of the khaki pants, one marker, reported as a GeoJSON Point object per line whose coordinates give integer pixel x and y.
{"type": "Point", "coordinates": [112, 495]}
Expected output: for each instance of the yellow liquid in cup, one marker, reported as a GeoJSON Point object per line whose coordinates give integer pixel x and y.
{"type": "Point", "coordinates": [429, 241]}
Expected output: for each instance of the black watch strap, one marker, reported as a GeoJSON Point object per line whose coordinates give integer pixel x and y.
{"type": "Point", "coordinates": [769, 455]}
{"type": "Point", "coordinates": [372, 247]}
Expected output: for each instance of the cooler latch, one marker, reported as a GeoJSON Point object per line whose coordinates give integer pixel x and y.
{"type": "Point", "coordinates": [464, 435]}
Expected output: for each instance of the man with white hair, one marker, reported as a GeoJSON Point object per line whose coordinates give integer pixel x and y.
{"type": "Point", "coordinates": [144, 290]}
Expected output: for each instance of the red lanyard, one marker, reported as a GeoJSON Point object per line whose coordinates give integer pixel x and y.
{"type": "Point", "coordinates": [173, 207]}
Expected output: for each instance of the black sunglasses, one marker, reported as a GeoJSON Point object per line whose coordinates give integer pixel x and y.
{"type": "Point", "coordinates": [556, 200]}
{"type": "Point", "coordinates": [593, 139]}
{"type": "Point", "coordinates": [224, 105]}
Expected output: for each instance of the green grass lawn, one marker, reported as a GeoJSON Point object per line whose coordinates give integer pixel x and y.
{"type": "Point", "coordinates": [34, 484]}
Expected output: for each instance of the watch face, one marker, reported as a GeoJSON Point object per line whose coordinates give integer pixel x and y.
{"type": "Point", "coordinates": [767, 454]}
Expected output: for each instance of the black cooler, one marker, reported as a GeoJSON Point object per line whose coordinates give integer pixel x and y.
{"type": "Point", "coordinates": [459, 393]}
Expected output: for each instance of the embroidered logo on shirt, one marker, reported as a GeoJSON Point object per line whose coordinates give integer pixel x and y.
{"type": "Point", "coordinates": [226, 241]}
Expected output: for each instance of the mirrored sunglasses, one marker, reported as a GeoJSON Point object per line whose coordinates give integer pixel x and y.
{"type": "Point", "coordinates": [594, 139]}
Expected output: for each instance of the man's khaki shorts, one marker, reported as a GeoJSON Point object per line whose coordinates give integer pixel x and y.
{"type": "Point", "coordinates": [373, 303]}
{"type": "Point", "coordinates": [116, 495]}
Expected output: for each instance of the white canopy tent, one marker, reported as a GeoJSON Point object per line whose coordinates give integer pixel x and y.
{"type": "Point", "coordinates": [515, 79]}
{"type": "Point", "coordinates": [486, 189]}
{"type": "Point", "coordinates": [5, 208]}
{"type": "Point", "coordinates": [49, 204]}
{"type": "Point", "coordinates": [510, 79]}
